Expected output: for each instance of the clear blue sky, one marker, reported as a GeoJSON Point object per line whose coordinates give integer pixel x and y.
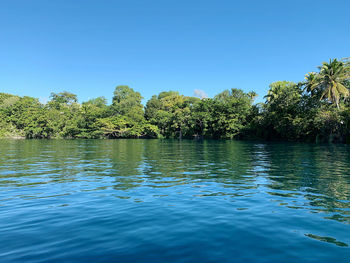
{"type": "Point", "coordinates": [90, 46]}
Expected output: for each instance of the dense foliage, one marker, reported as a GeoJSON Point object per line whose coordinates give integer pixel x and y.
{"type": "Point", "coordinates": [317, 109]}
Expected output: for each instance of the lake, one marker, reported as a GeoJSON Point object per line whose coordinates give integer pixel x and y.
{"type": "Point", "coordinates": [173, 201]}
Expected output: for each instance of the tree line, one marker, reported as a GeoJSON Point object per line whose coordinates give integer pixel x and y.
{"type": "Point", "coordinates": [316, 109]}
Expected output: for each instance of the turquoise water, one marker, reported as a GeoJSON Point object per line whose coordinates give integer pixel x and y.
{"type": "Point", "coordinates": [173, 201]}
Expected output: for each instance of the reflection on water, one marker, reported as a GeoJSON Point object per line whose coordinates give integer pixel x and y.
{"type": "Point", "coordinates": [327, 239]}
{"type": "Point", "coordinates": [157, 200]}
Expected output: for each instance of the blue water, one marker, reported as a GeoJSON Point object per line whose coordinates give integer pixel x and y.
{"type": "Point", "coordinates": [173, 201]}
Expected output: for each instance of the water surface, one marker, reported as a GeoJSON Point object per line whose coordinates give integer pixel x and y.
{"type": "Point", "coordinates": [173, 201]}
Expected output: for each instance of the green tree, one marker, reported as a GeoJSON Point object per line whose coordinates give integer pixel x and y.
{"type": "Point", "coordinates": [127, 102]}
{"type": "Point", "coordinates": [282, 110]}
{"type": "Point", "coordinates": [62, 113]}
{"type": "Point", "coordinates": [231, 108]}
{"type": "Point", "coordinates": [202, 116]}
{"type": "Point", "coordinates": [330, 82]}
{"type": "Point", "coordinates": [87, 123]}
{"type": "Point", "coordinates": [123, 127]}
{"type": "Point", "coordinates": [171, 113]}
{"type": "Point", "coordinates": [63, 98]}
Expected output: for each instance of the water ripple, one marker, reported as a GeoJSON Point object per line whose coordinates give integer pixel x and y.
{"type": "Point", "coordinates": [164, 200]}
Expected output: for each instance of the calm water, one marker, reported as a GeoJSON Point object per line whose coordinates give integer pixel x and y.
{"type": "Point", "coordinates": [171, 201]}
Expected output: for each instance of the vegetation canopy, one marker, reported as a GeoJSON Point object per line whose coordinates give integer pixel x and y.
{"type": "Point", "coordinates": [316, 109]}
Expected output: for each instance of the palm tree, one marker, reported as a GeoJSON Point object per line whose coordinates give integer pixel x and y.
{"type": "Point", "coordinates": [279, 88]}
{"type": "Point", "coordinates": [330, 81]}
{"type": "Point", "coordinates": [252, 95]}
